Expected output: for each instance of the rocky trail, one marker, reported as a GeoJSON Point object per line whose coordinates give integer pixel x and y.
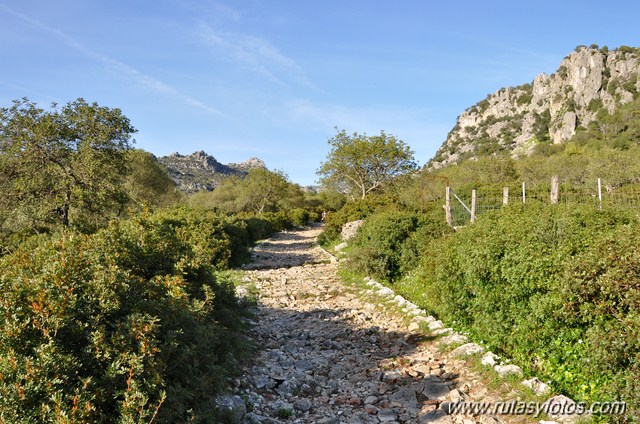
{"type": "Point", "coordinates": [326, 355]}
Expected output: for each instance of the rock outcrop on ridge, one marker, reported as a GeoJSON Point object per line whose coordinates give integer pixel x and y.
{"type": "Point", "coordinates": [550, 109]}
{"type": "Point", "coordinates": [200, 171]}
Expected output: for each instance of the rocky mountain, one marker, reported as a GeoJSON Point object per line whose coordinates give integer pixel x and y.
{"type": "Point", "coordinates": [200, 171]}
{"type": "Point", "coordinates": [548, 110]}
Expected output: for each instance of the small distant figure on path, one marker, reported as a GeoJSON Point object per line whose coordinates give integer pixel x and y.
{"type": "Point", "coordinates": [324, 215]}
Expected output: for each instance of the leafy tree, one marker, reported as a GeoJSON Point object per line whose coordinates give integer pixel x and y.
{"type": "Point", "coordinates": [325, 200]}
{"type": "Point", "coordinates": [262, 190]}
{"type": "Point", "coordinates": [148, 183]}
{"type": "Point", "coordinates": [223, 198]}
{"type": "Point", "coordinates": [62, 166]}
{"type": "Point", "coordinates": [259, 191]}
{"type": "Point", "coordinates": [362, 163]}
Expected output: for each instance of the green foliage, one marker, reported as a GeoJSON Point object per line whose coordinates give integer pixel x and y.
{"type": "Point", "coordinates": [628, 50]}
{"type": "Point", "coordinates": [323, 201]}
{"type": "Point", "coordinates": [263, 190]}
{"type": "Point", "coordinates": [352, 211]}
{"type": "Point", "coordinates": [541, 125]}
{"type": "Point", "coordinates": [277, 220]}
{"type": "Point", "coordinates": [148, 184]}
{"type": "Point", "coordinates": [619, 130]}
{"type": "Point", "coordinates": [563, 72]}
{"type": "Point", "coordinates": [555, 288]}
{"type": "Point", "coordinates": [127, 325]}
{"type": "Point", "coordinates": [362, 164]}
{"type": "Point", "coordinates": [548, 149]}
{"type": "Point", "coordinates": [258, 228]}
{"type": "Point", "coordinates": [66, 166]}
{"type": "Point", "coordinates": [526, 94]}
{"type": "Point", "coordinates": [299, 217]}
{"type": "Point", "coordinates": [524, 99]}
{"type": "Point", "coordinates": [483, 105]}
{"type": "Point", "coordinates": [631, 83]}
{"type": "Point", "coordinates": [377, 246]}
{"type": "Point", "coordinates": [497, 170]}
{"type": "Point", "coordinates": [389, 243]}
{"type": "Point", "coordinates": [595, 105]}
{"type": "Point", "coordinates": [205, 232]}
{"type": "Point", "coordinates": [430, 227]}
{"type": "Point", "coordinates": [260, 191]}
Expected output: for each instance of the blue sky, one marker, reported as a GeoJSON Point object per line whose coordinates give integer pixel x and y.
{"type": "Point", "coordinates": [272, 78]}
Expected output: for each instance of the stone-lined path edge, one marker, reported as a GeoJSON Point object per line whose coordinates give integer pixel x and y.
{"type": "Point", "coordinates": [334, 353]}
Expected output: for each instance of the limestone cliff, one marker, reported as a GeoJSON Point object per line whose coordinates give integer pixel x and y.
{"type": "Point", "coordinates": [550, 109]}
{"type": "Point", "coordinates": [200, 171]}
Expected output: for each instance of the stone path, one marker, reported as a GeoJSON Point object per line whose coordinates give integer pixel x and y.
{"type": "Point", "coordinates": [327, 356]}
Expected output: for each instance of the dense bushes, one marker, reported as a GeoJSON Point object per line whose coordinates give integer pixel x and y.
{"type": "Point", "coordinates": [557, 289]}
{"type": "Point", "coordinates": [124, 325]}
{"type": "Point", "coordinates": [377, 243]}
{"type": "Point", "coordinates": [352, 211]}
{"type": "Point", "coordinates": [389, 243]}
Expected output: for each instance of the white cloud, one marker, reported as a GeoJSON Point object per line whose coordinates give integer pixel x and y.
{"type": "Point", "coordinates": [27, 90]}
{"type": "Point", "coordinates": [122, 68]}
{"type": "Point", "coordinates": [225, 10]}
{"type": "Point", "coordinates": [254, 53]}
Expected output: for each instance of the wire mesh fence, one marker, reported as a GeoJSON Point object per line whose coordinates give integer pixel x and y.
{"type": "Point", "coordinates": [462, 205]}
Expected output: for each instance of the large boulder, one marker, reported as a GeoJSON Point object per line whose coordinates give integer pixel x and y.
{"type": "Point", "coordinates": [350, 229]}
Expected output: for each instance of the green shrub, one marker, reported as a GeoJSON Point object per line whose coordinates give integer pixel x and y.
{"type": "Point", "coordinates": [314, 215]}
{"type": "Point", "coordinates": [279, 220]}
{"type": "Point", "coordinates": [431, 226]}
{"type": "Point", "coordinates": [203, 232]}
{"type": "Point", "coordinates": [352, 211]}
{"type": "Point", "coordinates": [240, 239]}
{"type": "Point", "coordinates": [377, 246]}
{"type": "Point", "coordinates": [120, 326]}
{"type": "Point", "coordinates": [601, 288]}
{"type": "Point", "coordinates": [595, 105]}
{"type": "Point", "coordinates": [299, 217]}
{"type": "Point", "coordinates": [556, 288]}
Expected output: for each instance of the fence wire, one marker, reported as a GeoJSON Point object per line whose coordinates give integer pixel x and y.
{"type": "Point", "coordinates": [491, 200]}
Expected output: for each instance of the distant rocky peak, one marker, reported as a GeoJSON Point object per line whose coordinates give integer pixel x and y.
{"type": "Point", "coordinates": [201, 171]}
{"type": "Point", "coordinates": [251, 163]}
{"type": "Point", "coordinates": [203, 158]}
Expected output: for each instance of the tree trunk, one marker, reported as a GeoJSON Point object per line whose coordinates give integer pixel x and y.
{"type": "Point", "coordinates": [64, 210]}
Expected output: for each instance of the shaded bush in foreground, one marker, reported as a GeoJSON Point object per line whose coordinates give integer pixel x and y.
{"type": "Point", "coordinates": [120, 326]}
